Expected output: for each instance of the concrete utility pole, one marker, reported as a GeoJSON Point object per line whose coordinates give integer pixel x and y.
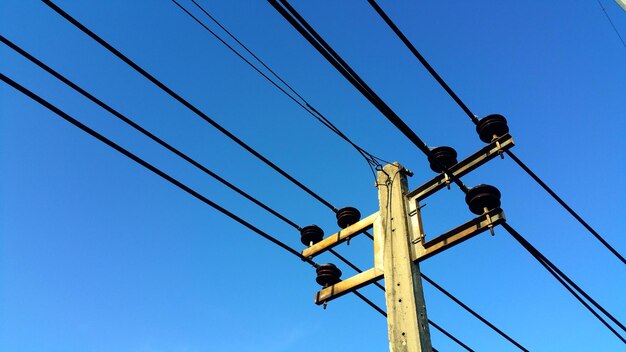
{"type": "Point", "coordinates": [406, 309]}
{"type": "Point", "coordinates": [400, 243]}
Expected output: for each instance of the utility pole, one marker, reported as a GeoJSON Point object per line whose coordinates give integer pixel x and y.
{"type": "Point", "coordinates": [400, 243]}
{"type": "Point", "coordinates": [406, 309]}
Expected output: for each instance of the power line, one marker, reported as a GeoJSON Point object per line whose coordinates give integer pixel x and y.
{"type": "Point", "coordinates": [475, 120]}
{"type": "Point", "coordinates": [187, 104]}
{"type": "Point", "coordinates": [307, 31]}
{"type": "Point", "coordinates": [180, 154]}
{"type": "Point", "coordinates": [152, 168]}
{"type": "Point", "coordinates": [170, 92]}
{"type": "Point", "coordinates": [612, 24]}
{"type": "Point", "coordinates": [158, 140]}
{"type": "Point", "coordinates": [296, 97]}
{"type": "Point", "coordinates": [471, 311]}
{"type": "Point", "coordinates": [422, 60]}
{"type": "Point", "coordinates": [175, 182]}
{"type": "Point", "coordinates": [143, 130]}
{"type": "Point", "coordinates": [566, 206]}
{"type": "Point", "coordinates": [302, 26]}
{"type": "Point", "coordinates": [433, 324]}
{"type": "Point", "coordinates": [144, 71]}
{"type": "Point", "coordinates": [570, 285]}
{"type": "Point", "coordinates": [449, 295]}
{"type": "Point", "coordinates": [450, 336]}
{"type": "Point", "coordinates": [167, 177]}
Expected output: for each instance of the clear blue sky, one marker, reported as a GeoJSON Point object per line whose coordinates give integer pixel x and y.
{"type": "Point", "coordinates": [99, 254]}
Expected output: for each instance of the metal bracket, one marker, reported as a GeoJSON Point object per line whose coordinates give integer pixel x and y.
{"type": "Point", "coordinates": [341, 236]}
{"type": "Point", "coordinates": [490, 151]}
{"type": "Point", "coordinates": [462, 233]}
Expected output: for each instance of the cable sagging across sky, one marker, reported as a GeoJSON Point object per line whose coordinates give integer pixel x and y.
{"type": "Point", "coordinates": [179, 184]}
{"type": "Point", "coordinates": [302, 26]}
{"type": "Point", "coordinates": [296, 20]}
{"type": "Point", "coordinates": [372, 160]}
{"type": "Point", "coordinates": [475, 120]}
{"type": "Point", "coordinates": [570, 285]}
{"type": "Point", "coordinates": [178, 153]}
{"type": "Point", "coordinates": [152, 168]}
{"type": "Point", "coordinates": [187, 104]}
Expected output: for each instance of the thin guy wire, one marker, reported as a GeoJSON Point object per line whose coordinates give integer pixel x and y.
{"type": "Point", "coordinates": [612, 24]}
{"type": "Point", "coordinates": [475, 120]}
{"type": "Point", "coordinates": [372, 160]}
{"type": "Point", "coordinates": [566, 282]}
{"type": "Point", "coordinates": [302, 26]}
{"type": "Point", "coordinates": [187, 104]}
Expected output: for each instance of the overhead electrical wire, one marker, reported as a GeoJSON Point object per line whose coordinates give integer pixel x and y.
{"type": "Point", "coordinates": [449, 295]}
{"type": "Point", "coordinates": [199, 113]}
{"type": "Point", "coordinates": [152, 168]}
{"type": "Point", "coordinates": [612, 24]}
{"type": "Point", "coordinates": [303, 27]}
{"type": "Point", "coordinates": [141, 129]}
{"type": "Point", "coordinates": [149, 134]}
{"type": "Point", "coordinates": [568, 283]}
{"type": "Point", "coordinates": [372, 160]}
{"type": "Point", "coordinates": [475, 120]}
{"type": "Point", "coordinates": [306, 105]}
{"type": "Point", "coordinates": [185, 157]}
{"type": "Point", "coordinates": [291, 15]}
{"type": "Point", "coordinates": [471, 311]}
{"type": "Point", "coordinates": [186, 103]}
{"type": "Point", "coordinates": [177, 97]}
{"type": "Point", "coordinates": [307, 31]}
{"type": "Point", "coordinates": [182, 186]}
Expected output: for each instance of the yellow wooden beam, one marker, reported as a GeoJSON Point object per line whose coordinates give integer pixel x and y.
{"type": "Point", "coordinates": [339, 237]}
{"type": "Point", "coordinates": [461, 233]}
{"type": "Point", "coordinates": [348, 285]}
{"type": "Point", "coordinates": [463, 167]}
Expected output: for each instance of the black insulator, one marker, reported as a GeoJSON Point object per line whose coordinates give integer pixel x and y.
{"type": "Point", "coordinates": [311, 235]}
{"type": "Point", "coordinates": [490, 126]}
{"type": "Point", "coordinates": [327, 275]}
{"type": "Point", "coordinates": [444, 156]}
{"type": "Point", "coordinates": [482, 196]}
{"type": "Point", "coordinates": [347, 216]}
